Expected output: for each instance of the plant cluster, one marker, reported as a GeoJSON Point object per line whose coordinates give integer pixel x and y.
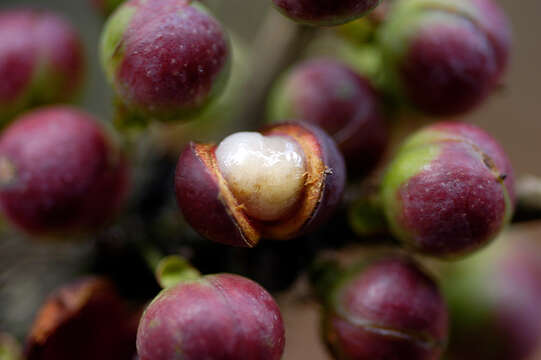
{"type": "Point", "coordinates": [320, 173]}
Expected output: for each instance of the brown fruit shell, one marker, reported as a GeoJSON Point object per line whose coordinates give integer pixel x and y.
{"type": "Point", "coordinates": [211, 209]}
{"type": "Point", "coordinates": [66, 324]}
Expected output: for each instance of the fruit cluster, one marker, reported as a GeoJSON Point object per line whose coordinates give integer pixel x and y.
{"type": "Point", "coordinates": [445, 193]}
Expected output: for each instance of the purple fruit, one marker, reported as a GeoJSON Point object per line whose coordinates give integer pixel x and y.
{"type": "Point", "coordinates": [278, 184]}
{"type": "Point", "coordinates": [165, 58]}
{"type": "Point", "coordinates": [41, 61]}
{"type": "Point", "coordinates": [449, 191]}
{"type": "Point", "coordinates": [217, 317]}
{"type": "Point", "coordinates": [332, 96]}
{"type": "Point", "coordinates": [446, 56]}
{"type": "Point", "coordinates": [325, 12]}
{"type": "Point", "coordinates": [494, 302]}
{"type": "Point", "coordinates": [388, 309]}
{"type": "Point", "coordinates": [59, 172]}
{"type": "Point", "coordinates": [84, 320]}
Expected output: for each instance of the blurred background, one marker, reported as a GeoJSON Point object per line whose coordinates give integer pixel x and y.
{"type": "Point", "coordinates": [29, 271]}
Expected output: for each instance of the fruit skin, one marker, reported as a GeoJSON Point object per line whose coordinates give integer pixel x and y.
{"type": "Point", "coordinates": [449, 191]}
{"type": "Point", "coordinates": [446, 57]}
{"type": "Point", "coordinates": [385, 309]}
{"type": "Point", "coordinates": [165, 58]}
{"type": "Point", "coordinates": [59, 172]}
{"type": "Point", "coordinates": [198, 195]}
{"type": "Point", "coordinates": [325, 12]}
{"type": "Point", "coordinates": [494, 302]}
{"type": "Point", "coordinates": [41, 61]}
{"type": "Point", "coordinates": [85, 319]}
{"type": "Point", "coordinates": [218, 317]}
{"type": "Point", "coordinates": [206, 203]}
{"type": "Point", "coordinates": [329, 94]}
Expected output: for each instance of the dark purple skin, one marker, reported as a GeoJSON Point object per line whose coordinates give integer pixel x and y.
{"type": "Point", "coordinates": [452, 65]}
{"type": "Point", "coordinates": [449, 79]}
{"type": "Point", "coordinates": [198, 197]}
{"type": "Point", "coordinates": [173, 56]}
{"type": "Point", "coordinates": [389, 310]}
{"type": "Point", "coordinates": [18, 54]}
{"type": "Point", "coordinates": [456, 203]}
{"type": "Point", "coordinates": [218, 317]}
{"type": "Point", "coordinates": [60, 172]}
{"type": "Point", "coordinates": [325, 12]}
{"type": "Point", "coordinates": [456, 206]}
{"type": "Point", "coordinates": [30, 39]}
{"type": "Point", "coordinates": [332, 96]}
{"type": "Point", "coordinates": [198, 193]}
{"type": "Point", "coordinates": [84, 320]}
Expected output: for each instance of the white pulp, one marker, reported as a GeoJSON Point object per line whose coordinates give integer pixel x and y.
{"type": "Point", "coordinates": [266, 174]}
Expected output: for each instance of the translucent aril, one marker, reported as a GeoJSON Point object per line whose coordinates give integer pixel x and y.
{"type": "Point", "coordinates": [265, 174]}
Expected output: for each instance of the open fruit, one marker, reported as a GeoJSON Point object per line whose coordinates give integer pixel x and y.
{"type": "Point", "coordinates": [277, 184]}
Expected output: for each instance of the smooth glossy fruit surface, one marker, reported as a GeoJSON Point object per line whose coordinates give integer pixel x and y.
{"type": "Point", "coordinates": [218, 317]}
{"type": "Point", "coordinates": [60, 172]}
{"type": "Point", "coordinates": [165, 58]}
{"type": "Point", "coordinates": [449, 191]}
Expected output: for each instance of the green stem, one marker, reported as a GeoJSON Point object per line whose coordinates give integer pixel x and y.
{"type": "Point", "coordinates": [173, 270]}
{"type": "Point", "coordinates": [169, 270]}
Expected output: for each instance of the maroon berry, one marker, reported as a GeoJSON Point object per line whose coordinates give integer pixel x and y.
{"type": "Point", "coordinates": [447, 55]}
{"type": "Point", "coordinates": [41, 60]}
{"type": "Point", "coordinates": [449, 191]}
{"type": "Point", "coordinates": [217, 317]}
{"type": "Point", "coordinates": [388, 309]}
{"type": "Point", "coordinates": [59, 172]}
{"type": "Point", "coordinates": [277, 184]}
{"type": "Point", "coordinates": [325, 12]}
{"type": "Point", "coordinates": [85, 320]}
{"type": "Point", "coordinates": [165, 58]}
{"type": "Point", "coordinates": [329, 94]}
